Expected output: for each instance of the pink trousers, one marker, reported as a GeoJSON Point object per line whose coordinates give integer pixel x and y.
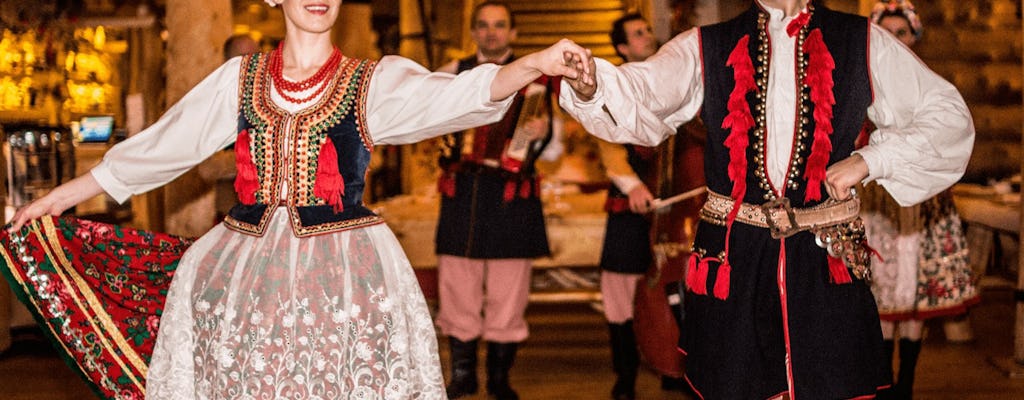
{"type": "Point", "coordinates": [483, 298]}
{"type": "Point", "coordinates": [617, 294]}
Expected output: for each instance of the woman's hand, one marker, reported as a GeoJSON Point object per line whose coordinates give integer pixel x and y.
{"type": "Point", "coordinates": [57, 201]}
{"type": "Point", "coordinates": [563, 58]}
{"type": "Point", "coordinates": [842, 176]}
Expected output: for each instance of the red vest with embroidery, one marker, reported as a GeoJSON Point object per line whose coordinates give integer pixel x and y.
{"type": "Point", "coordinates": [320, 154]}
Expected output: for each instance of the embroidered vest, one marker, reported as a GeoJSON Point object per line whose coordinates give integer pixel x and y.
{"type": "Point", "coordinates": [845, 39]}
{"type": "Point", "coordinates": [320, 153]}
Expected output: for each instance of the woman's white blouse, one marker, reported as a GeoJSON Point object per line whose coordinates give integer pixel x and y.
{"type": "Point", "coordinates": [406, 103]}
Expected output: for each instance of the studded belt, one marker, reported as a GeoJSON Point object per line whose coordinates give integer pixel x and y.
{"type": "Point", "coordinates": [777, 215]}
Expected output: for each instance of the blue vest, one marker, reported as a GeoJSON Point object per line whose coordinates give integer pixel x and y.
{"type": "Point", "coordinates": [285, 148]}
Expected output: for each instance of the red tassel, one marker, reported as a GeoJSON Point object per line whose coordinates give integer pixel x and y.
{"type": "Point", "coordinates": [246, 183]}
{"type": "Point", "coordinates": [820, 65]}
{"type": "Point", "coordinates": [510, 191]}
{"type": "Point", "coordinates": [691, 271]}
{"type": "Point", "coordinates": [330, 185]}
{"type": "Point", "coordinates": [446, 184]}
{"type": "Point", "coordinates": [700, 281]}
{"type": "Point", "coordinates": [525, 187]}
{"type": "Point", "coordinates": [837, 269]}
{"type": "Point", "coordinates": [722, 280]}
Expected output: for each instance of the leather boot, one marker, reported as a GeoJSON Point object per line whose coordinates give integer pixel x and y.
{"type": "Point", "coordinates": [500, 357]}
{"type": "Point", "coordinates": [463, 380]}
{"type": "Point", "coordinates": [909, 350]}
{"type": "Point", "coordinates": [625, 360]}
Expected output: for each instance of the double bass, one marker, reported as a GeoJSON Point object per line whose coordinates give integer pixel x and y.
{"type": "Point", "coordinates": [680, 169]}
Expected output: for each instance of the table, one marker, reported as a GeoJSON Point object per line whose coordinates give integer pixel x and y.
{"type": "Point", "coordinates": [990, 214]}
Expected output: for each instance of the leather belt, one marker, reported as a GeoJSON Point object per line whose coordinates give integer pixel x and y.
{"type": "Point", "coordinates": [777, 215]}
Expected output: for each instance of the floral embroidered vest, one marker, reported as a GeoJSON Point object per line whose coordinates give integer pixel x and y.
{"type": "Point", "coordinates": [835, 92]}
{"type": "Point", "coordinates": [320, 154]}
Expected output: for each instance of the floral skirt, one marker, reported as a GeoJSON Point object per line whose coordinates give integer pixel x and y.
{"type": "Point", "coordinates": [924, 270]}
{"type": "Point", "coordinates": [336, 316]}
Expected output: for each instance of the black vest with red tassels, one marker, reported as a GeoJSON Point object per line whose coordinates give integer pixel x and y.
{"type": "Point", "coordinates": [319, 155]}
{"type": "Point", "coordinates": [835, 94]}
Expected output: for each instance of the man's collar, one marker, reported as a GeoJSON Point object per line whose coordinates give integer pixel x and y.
{"type": "Point", "coordinates": [480, 59]}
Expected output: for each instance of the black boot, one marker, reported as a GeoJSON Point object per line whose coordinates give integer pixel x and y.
{"type": "Point", "coordinates": [909, 350]}
{"type": "Point", "coordinates": [625, 360]}
{"type": "Point", "coordinates": [463, 379]}
{"type": "Point", "coordinates": [888, 393]}
{"type": "Point", "coordinates": [499, 361]}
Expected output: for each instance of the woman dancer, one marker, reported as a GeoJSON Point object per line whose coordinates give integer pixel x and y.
{"type": "Point", "coordinates": [302, 292]}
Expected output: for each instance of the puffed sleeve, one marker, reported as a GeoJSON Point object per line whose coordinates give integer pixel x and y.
{"type": "Point", "coordinates": [925, 133]}
{"type": "Point", "coordinates": [407, 103]}
{"type": "Point", "coordinates": [203, 121]}
{"type": "Point", "coordinates": [643, 102]}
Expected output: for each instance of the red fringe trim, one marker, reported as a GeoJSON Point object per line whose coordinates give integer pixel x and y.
{"type": "Point", "coordinates": [330, 185]}
{"type": "Point", "coordinates": [722, 280]}
{"type": "Point", "coordinates": [837, 269]}
{"type": "Point", "coordinates": [739, 122]}
{"type": "Point", "coordinates": [246, 183]}
{"type": "Point", "coordinates": [819, 78]}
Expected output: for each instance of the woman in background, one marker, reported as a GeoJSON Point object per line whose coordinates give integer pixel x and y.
{"type": "Point", "coordinates": [923, 271]}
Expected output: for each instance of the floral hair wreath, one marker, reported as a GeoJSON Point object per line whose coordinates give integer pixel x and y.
{"type": "Point", "coordinates": [897, 7]}
{"type": "Point", "coordinates": [272, 3]}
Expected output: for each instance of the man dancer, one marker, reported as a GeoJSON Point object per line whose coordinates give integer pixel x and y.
{"type": "Point", "coordinates": [777, 304]}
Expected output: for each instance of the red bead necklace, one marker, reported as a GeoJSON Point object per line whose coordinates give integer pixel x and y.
{"type": "Point", "coordinates": [281, 85]}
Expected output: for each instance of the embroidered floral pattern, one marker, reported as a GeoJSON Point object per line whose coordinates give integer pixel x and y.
{"type": "Point", "coordinates": [100, 288]}
{"type": "Point", "coordinates": [329, 317]}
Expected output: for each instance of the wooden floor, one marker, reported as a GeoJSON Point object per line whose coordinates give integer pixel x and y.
{"type": "Point", "coordinates": [567, 357]}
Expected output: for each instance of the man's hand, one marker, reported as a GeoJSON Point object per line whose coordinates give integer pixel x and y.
{"type": "Point", "coordinates": [640, 199]}
{"type": "Point", "coordinates": [842, 176]}
{"type": "Point", "coordinates": [586, 84]}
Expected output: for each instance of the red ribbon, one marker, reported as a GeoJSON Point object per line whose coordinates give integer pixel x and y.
{"type": "Point", "coordinates": [798, 23]}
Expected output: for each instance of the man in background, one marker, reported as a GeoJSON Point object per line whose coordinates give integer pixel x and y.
{"type": "Point", "coordinates": [491, 224]}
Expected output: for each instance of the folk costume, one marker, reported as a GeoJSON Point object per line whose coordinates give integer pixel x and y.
{"type": "Point", "coordinates": [490, 228]}
{"type": "Point", "coordinates": [769, 311]}
{"type": "Point", "coordinates": [625, 256]}
{"type": "Point", "coordinates": [302, 292]}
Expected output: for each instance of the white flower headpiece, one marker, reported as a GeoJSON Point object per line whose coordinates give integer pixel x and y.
{"type": "Point", "coordinates": [272, 3]}
{"type": "Point", "coordinates": [898, 7]}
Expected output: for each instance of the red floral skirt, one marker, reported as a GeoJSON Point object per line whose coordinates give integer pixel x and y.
{"type": "Point", "coordinates": [98, 291]}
